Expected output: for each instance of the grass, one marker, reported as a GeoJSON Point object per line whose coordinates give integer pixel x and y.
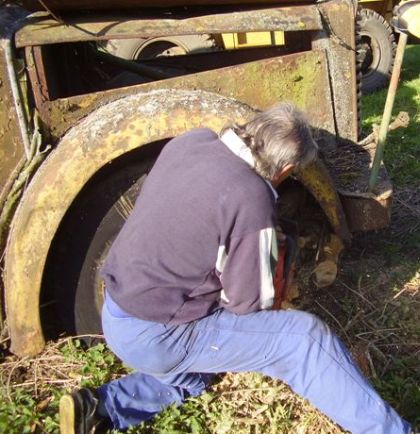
{"type": "Point", "coordinates": [373, 306]}
{"type": "Point", "coordinates": [402, 153]}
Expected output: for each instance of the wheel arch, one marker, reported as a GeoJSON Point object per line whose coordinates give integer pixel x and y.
{"type": "Point", "coordinates": [103, 136]}
{"type": "Point", "coordinates": [106, 134]}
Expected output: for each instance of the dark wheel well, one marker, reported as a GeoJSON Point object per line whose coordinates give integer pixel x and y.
{"type": "Point", "coordinates": [71, 296]}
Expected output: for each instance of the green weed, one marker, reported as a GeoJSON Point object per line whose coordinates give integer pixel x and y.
{"type": "Point", "coordinates": [402, 152]}
{"type": "Point", "coordinates": [31, 388]}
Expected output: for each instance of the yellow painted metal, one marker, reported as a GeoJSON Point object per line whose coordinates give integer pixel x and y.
{"type": "Point", "coordinates": [252, 39]}
{"type": "Point", "coordinates": [228, 40]}
{"type": "Point", "coordinates": [316, 179]}
{"type": "Point", "coordinates": [278, 38]}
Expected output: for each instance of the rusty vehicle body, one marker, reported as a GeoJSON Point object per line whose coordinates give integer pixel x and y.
{"type": "Point", "coordinates": [77, 137]}
{"type": "Point", "coordinates": [375, 38]}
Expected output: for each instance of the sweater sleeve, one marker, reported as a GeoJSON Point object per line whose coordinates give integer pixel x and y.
{"type": "Point", "coordinates": [247, 271]}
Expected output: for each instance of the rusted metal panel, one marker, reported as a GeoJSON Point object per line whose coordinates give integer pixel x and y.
{"type": "Point", "coordinates": [365, 210]}
{"type": "Point", "coordinates": [36, 72]}
{"type": "Point", "coordinates": [349, 164]}
{"type": "Point", "coordinates": [301, 78]}
{"type": "Point", "coordinates": [367, 213]}
{"type": "Point", "coordinates": [77, 5]}
{"type": "Point", "coordinates": [11, 146]}
{"type": "Point", "coordinates": [40, 30]}
{"type": "Point", "coordinates": [338, 40]}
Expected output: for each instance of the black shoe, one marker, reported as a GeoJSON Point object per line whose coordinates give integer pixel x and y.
{"type": "Point", "coordinates": [79, 413]}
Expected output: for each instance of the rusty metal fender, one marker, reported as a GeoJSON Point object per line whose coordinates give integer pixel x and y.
{"type": "Point", "coordinates": [318, 182]}
{"type": "Point", "coordinates": [103, 136]}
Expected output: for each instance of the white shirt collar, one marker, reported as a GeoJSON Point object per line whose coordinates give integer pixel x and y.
{"type": "Point", "coordinates": [239, 148]}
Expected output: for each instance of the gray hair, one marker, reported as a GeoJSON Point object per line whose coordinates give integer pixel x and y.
{"type": "Point", "coordinates": [278, 137]}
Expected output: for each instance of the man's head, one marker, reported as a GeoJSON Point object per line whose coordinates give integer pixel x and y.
{"type": "Point", "coordinates": [280, 140]}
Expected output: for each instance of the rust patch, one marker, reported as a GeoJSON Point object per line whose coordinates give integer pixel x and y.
{"type": "Point", "coordinates": [338, 40]}
{"type": "Point", "coordinates": [301, 78]}
{"type": "Point", "coordinates": [11, 147]}
{"type": "Point", "coordinates": [366, 214]}
{"type": "Point", "coordinates": [44, 30]}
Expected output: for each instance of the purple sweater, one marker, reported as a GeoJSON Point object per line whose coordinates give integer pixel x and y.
{"type": "Point", "coordinates": [200, 237]}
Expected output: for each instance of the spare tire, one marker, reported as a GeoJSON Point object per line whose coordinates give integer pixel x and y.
{"type": "Point", "coordinates": [142, 48]}
{"type": "Point", "coordinates": [376, 50]}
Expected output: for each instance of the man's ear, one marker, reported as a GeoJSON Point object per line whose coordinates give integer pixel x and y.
{"type": "Point", "coordinates": [282, 174]}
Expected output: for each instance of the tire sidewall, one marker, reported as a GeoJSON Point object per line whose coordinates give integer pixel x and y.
{"type": "Point", "coordinates": [374, 26]}
{"type": "Point", "coordinates": [130, 48]}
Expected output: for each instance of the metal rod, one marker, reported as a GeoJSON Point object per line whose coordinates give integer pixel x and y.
{"type": "Point", "coordinates": [23, 126]}
{"type": "Point", "coordinates": [389, 104]}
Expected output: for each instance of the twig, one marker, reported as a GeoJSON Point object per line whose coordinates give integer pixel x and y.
{"type": "Point", "coordinates": [351, 320]}
{"type": "Point", "coordinates": [35, 371]}
{"type": "Point", "coordinates": [372, 367]}
{"type": "Point", "coordinates": [9, 377]}
{"type": "Point", "coordinates": [333, 317]}
{"type": "Point", "coordinates": [399, 293]}
{"type": "Point", "coordinates": [253, 389]}
{"type": "Point", "coordinates": [378, 352]}
{"type": "Point", "coordinates": [413, 210]}
{"type": "Point", "coordinates": [358, 294]}
{"type": "Point", "coordinates": [59, 372]}
{"type": "Point", "coordinates": [401, 121]}
{"type": "Point", "coordinates": [4, 340]}
{"type": "Point", "coordinates": [45, 381]}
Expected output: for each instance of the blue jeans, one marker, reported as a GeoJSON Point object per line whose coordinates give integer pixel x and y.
{"type": "Point", "coordinates": [292, 346]}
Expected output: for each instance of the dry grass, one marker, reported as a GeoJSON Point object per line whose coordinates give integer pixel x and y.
{"type": "Point", "coordinates": [52, 367]}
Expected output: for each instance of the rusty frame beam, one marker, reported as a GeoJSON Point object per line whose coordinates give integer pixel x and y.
{"type": "Point", "coordinates": [37, 75]}
{"type": "Point", "coordinates": [338, 41]}
{"type": "Point", "coordinates": [301, 78]}
{"type": "Point", "coordinates": [40, 29]}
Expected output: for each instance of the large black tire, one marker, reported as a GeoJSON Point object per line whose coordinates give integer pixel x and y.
{"type": "Point", "coordinates": [141, 48]}
{"type": "Point", "coordinates": [83, 241]}
{"type": "Point", "coordinates": [376, 50]}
